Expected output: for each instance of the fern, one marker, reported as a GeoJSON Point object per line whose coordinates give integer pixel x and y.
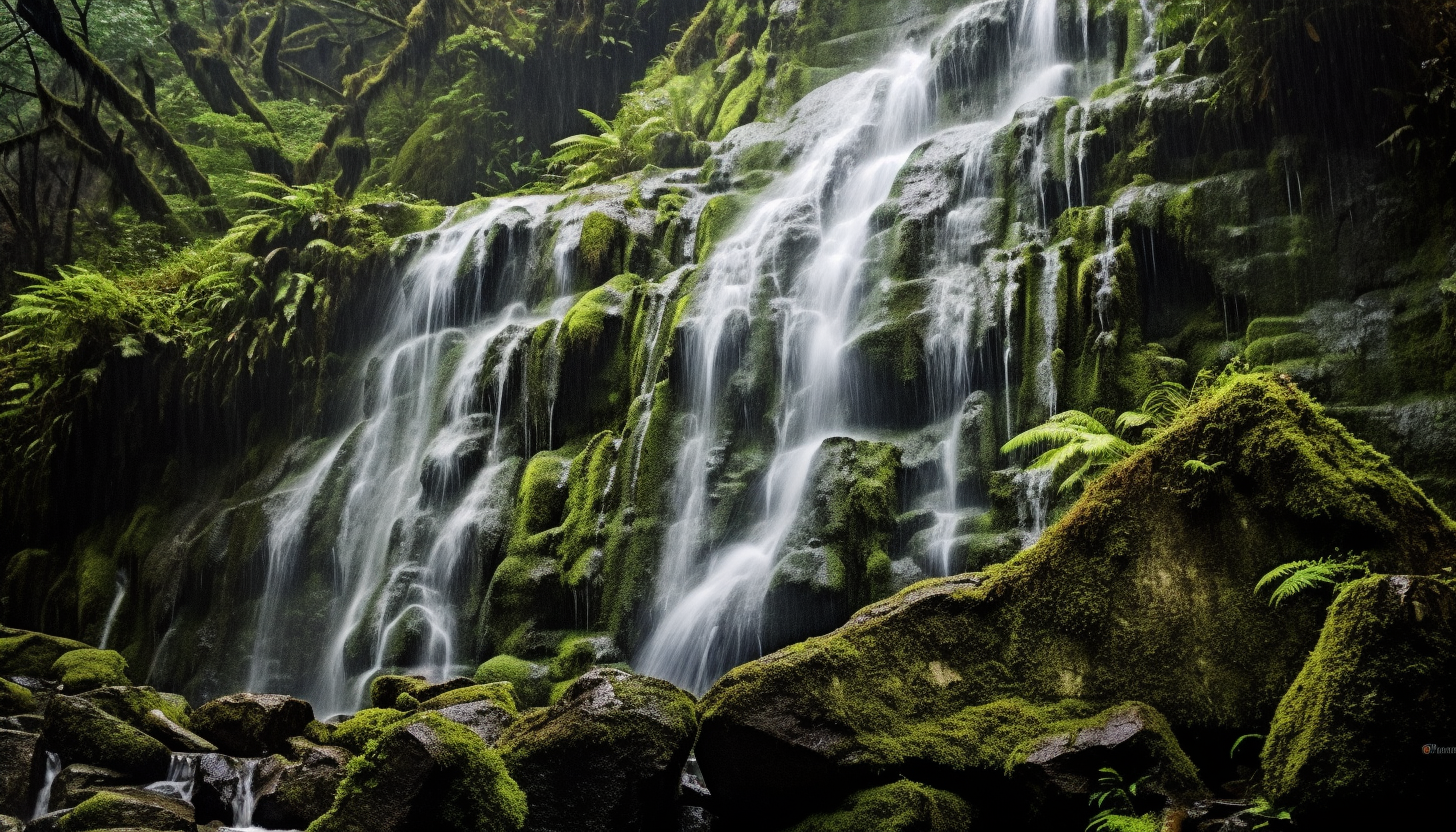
{"type": "Point", "coordinates": [1198, 466]}
{"type": "Point", "coordinates": [1299, 575]}
{"type": "Point", "coordinates": [1079, 443]}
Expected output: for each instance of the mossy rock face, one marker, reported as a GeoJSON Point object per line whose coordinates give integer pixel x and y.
{"type": "Point", "coordinates": [15, 699]}
{"type": "Point", "coordinates": [132, 704]}
{"type": "Point", "coordinates": [130, 809]}
{"type": "Point", "coordinates": [530, 682]}
{"type": "Point", "coordinates": [297, 794]}
{"type": "Point", "coordinates": [1153, 567]}
{"type": "Point", "coordinates": [488, 710]}
{"type": "Point", "coordinates": [78, 781]}
{"type": "Point", "coordinates": [81, 732]}
{"type": "Point", "coordinates": [23, 653]}
{"type": "Point", "coordinates": [88, 669]}
{"type": "Point", "coordinates": [252, 724]}
{"type": "Point", "coordinates": [902, 806]}
{"type": "Point", "coordinates": [17, 759]}
{"type": "Point", "coordinates": [426, 773]}
{"type": "Point", "coordinates": [606, 756]}
{"type": "Point", "coordinates": [1349, 744]}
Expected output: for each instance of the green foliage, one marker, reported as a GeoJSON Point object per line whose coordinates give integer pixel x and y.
{"type": "Point", "coordinates": [1114, 802]}
{"type": "Point", "coordinates": [1299, 575]}
{"type": "Point", "coordinates": [1079, 442]}
{"type": "Point", "coordinates": [1202, 468]}
{"type": "Point", "coordinates": [901, 806]}
{"type": "Point", "coordinates": [617, 148]}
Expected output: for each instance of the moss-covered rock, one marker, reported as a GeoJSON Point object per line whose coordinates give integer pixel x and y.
{"type": "Point", "coordinates": [426, 773]}
{"type": "Point", "coordinates": [1350, 745]}
{"type": "Point", "coordinates": [530, 682]}
{"type": "Point", "coordinates": [82, 732]}
{"type": "Point", "coordinates": [295, 794]}
{"type": "Point", "coordinates": [606, 756]}
{"type": "Point", "coordinates": [252, 724]}
{"type": "Point", "coordinates": [88, 669]}
{"type": "Point", "coordinates": [1154, 567]}
{"type": "Point", "coordinates": [384, 691]}
{"type": "Point", "coordinates": [15, 699]}
{"type": "Point", "coordinates": [24, 653]}
{"type": "Point", "coordinates": [78, 781]}
{"type": "Point", "coordinates": [356, 732]}
{"type": "Point", "coordinates": [902, 806]}
{"type": "Point", "coordinates": [130, 809]}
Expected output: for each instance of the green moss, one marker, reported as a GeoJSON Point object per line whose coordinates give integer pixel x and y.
{"type": "Point", "coordinates": [467, 788]}
{"type": "Point", "coordinates": [602, 252]}
{"type": "Point", "coordinates": [88, 669]}
{"type": "Point", "coordinates": [1277, 348]}
{"type": "Point", "coordinates": [108, 810]}
{"type": "Point", "coordinates": [1346, 745]}
{"type": "Point", "coordinates": [716, 222]}
{"type": "Point", "coordinates": [741, 105]}
{"type": "Point", "coordinates": [529, 682]}
{"type": "Point", "coordinates": [15, 699]}
{"type": "Point", "coordinates": [363, 728]}
{"type": "Point", "coordinates": [384, 690]}
{"type": "Point", "coordinates": [131, 704]}
{"type": "Point", "coordinates": [81, 732]}
{"type": "Point", "coordinates": [501, 693]}
{"type": "Point", "coordinates": [1272, 327]}
{"type": "Point", "coordinates": [32, 654]}
{"type": "Point", "coordinates": [902, 806]}
{"type": "Point", "coordinates": [1151, 568]}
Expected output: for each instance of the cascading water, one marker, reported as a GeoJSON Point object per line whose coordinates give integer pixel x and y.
{"type": "Point", "coordinates": [43, 797]}
{"type": "Point", "coordinates": [797, 257]}
{"type": "Point", "coordinates": [181, 778]}
{"type": "Point", "coordinates": [115, 608]}
{"type": "Point", "coordinates": [432, 400]}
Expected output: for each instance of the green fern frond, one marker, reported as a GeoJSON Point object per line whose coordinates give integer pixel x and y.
{"type": "Point", "coordinates": [1198, 466]}
{"type": "Point", "coordinates": [1299, 575]}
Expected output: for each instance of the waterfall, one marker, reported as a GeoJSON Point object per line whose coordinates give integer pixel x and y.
{"type": "Point", "coordinates": [43, 797]}
{"type": "Point", "coordinates": [115, 608]}
{"type": "Point", "coordinates": [181, 778]}
{"type": "Point", "coordinates": [243, 800]}
{"type": "Point", "coordinates": [393, 503]}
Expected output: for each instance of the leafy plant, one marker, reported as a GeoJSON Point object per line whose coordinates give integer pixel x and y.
{"type": "Point", "coordinates": [1299, 575]}
{"type": "Point", "coordinates": [1198, 466]}
{"type": "Point", "coordinates": [1114, 802]}
{"type": "Point", "coordinates": [1241, 740]}
{"type": "Point", "coordinates": [613, 151]}
{"type": "Point", "coordinates": [1080, 443]}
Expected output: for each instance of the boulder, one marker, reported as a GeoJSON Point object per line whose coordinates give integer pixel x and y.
{"type": "Point", "coordinates": [15, 699]}
{"type": "Point", "coordinates": [429, 692]}
{"type": "Point", "coordinates": [174, 736]}
{"type": "Point", "coordinates": [89, 669]}
{"type": "Point", "coordinates": [252, 724]}
{"type": "Point", "coordinates": [1362, 739]}
{"type": "Point", "coordinates": [9, 823]}
{"type": "Point", "coordinates": [293, 795]}
{"type": "Point", "coordinates": [384, 691]}
{"type": "Point", "coordinates": [530, 682]}
{"type": "Point", "coordinates": [426, 772]}
{"type": "Point", "coordinates": [24, 653]}
{"type": "Point", "coordinates": [81, 732]}
{"type": "Point", "coordinates": [488, 710]}
{"type": "Point", "coordinates": [17, 760]}
{"type": "Point", "coordinates": [132, 703]}
{"type": "Point", "coordinates": [606, 756]}
{"type": "Point", "coordinates": [218, 783]}
{"type": "Point", "coordinates": [74, 779]}
{"type": "Point", "coordinates": [130, 808]}
{"type": "Point", "coordinates": [902, 806]}
{"type": "Point", "coordinates": [357, 731]}
{"type": "Point", "coordinates": [1153, 568]}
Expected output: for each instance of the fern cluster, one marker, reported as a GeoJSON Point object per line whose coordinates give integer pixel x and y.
{"type": "Point", "coordinates": [1299, 575]}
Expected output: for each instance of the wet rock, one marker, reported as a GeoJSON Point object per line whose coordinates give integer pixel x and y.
{"type": "Point", "coordinates": [77, 781]}
{"type": "Point", "coordinates": [608, 755]}
{"type": "Point", "coordinates": [427, 773]}
{"type": "Point", "coordinates": [1357, 740]}
{"type": "Point", "coordinates": [530, 682]}
{"type": "Point", "coordinates": [488, 719]}
{"type": "Point", "coordinates": [130, 808]}
{"type": "Point", "coordinates": [252, 724]}
{"type": "Point", "coordinates": [1151, 568]}
{"type": "Point", "coordinates": [217, 784]}
{"type": "Point", "coordinates": [17, 759]}
{"type": "Point", "coordinates": [174, 736]}
{"type": "Point", "coordinates": [88, 669]}
{"type": "Point", "coordinates": [24, 653]}
{"type": "Point", "coordinates": [15, 699]}
{"type": "Point", "coordinates": [28, 723]}
{"type": "Point", "coordinates": [428, 692]}
{"type": "Point", "coordinates": [385, 691]}
{"type": "Point", "coordinates": [293, 795]}
{"type": "Point", "coordinates": [82, 732]}
{"type": "Point", "coordinates": [9, 823]}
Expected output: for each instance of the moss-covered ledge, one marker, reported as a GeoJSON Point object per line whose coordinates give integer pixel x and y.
{"type": "Point", "coordinates": [1144, 591]}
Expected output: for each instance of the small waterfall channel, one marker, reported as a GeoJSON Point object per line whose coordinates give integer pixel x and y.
{"type": "Point", "coordinates": [803, 248]}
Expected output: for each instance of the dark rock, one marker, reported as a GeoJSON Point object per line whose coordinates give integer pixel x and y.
{"type": "Point", "coordinates": [219, 781]}
{"type": "Point", "coordinates": [694, 819]}
{"type": "Point", "coordinates": [11, 824]}
{"type": "Point", "coordinates": [29, 723]}
{"type": "Point", "coordinates": [17, 760]}
{"type": "Point", "coordinates": [488, 719]}
{"type": "Point", "coordinates": [66, 791]}
{"type": "Point", "coordinates": [49, 822]}
{"type": "Point", "coordinates": [1356, 741]}
{"type": "Point", "coordinates": [174, 736]}
{"type": "Point", "coordinates": [294, 795]}
{"type": "Point", "coordinates": [429, 692]}
{"type": "Point", "coordinates": [81, 732]}
{"type": "Point", "coordinates": [15, 699]}
{"type": "Point", "coordinates": [252, 724]}
{"type": "Point", "coordinates": [130, 808]}
{"type": "Point", "coordinates": [608, 755]}
{"type": "Point", "coordinates": [427, 773]}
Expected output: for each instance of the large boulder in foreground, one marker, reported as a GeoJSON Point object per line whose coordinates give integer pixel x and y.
{"type": "Point", "coordinates": [1143, 592]}
{"type": "Point", "coordinates": [128, 808]}
{"type": "Point", "coordinates": [607, 756]}
{"type": "Point", "coordinates": [426, 773]}
{"type": "Point", "coordinates": [252, 724]}
{"type": "Point", "coordinates": [1349, 743]}
{"type": "Point", "coordinates": [81, 732]}
{"type": "Point", "coordinates": [295, 794]}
